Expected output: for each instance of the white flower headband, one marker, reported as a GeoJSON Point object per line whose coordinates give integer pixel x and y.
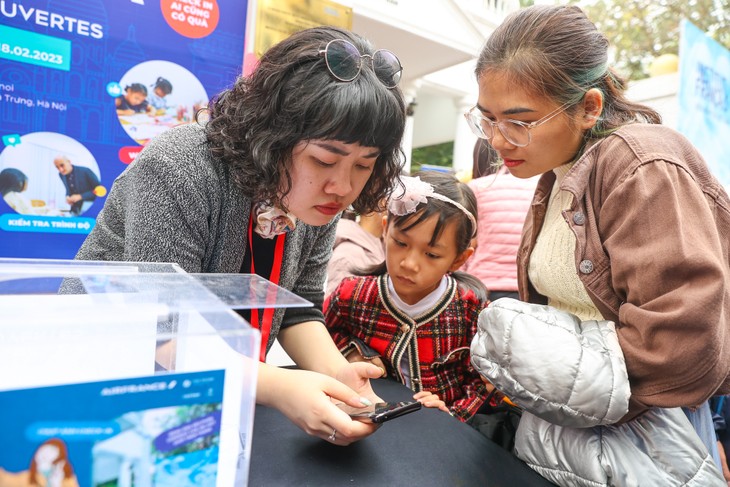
{"type": "Point", "coordinates": [415, 192]}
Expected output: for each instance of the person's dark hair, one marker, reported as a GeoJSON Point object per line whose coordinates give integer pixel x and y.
{"type": "Point", "coordinates": [449, 186]}
{"type": "Point", "coordinates": [292, 97]}
{"type": "Point", "coordinates": [136, 88]}
{"type": "Point", "coordinates": [349, 214]}
{"type": "Point", "coordinates": [164, 85]}
{"type": "Point", "coordinates": [556, 51]}
{"type": "Point", "coordinates": [486, 159]}
{"type": "Point", "coordinates": [12, 181]}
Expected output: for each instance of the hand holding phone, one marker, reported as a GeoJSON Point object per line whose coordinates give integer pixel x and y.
{"type": "Point", "coordinates": [381, 412]}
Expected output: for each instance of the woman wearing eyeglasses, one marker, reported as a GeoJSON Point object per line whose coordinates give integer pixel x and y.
{"type": "Point", "coordinates": [259, 188]}
{"type": "Point", "coordinates": [627, 225]}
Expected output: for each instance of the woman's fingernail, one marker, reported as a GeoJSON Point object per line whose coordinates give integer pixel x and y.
{"type": "Point", "coordinates": [365, 401]}
{"type": "Point", "coordinates": [384, 372]}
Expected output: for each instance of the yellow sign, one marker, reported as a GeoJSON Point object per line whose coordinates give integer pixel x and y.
{"type": "Point", "coordinates": [278, 19]}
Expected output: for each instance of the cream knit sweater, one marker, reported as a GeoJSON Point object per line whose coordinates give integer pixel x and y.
{"type": "Point", "coordinates": [552, 267]}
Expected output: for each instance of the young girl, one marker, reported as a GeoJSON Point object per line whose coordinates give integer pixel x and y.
{"type": "Point", "coordinates": [134, 100]}
{"type": "Point", "coordinates": [160, 90]}
{"type": "Point", "coordinates": [415, 316]}
{"type": "Point", "coordinates": [13, 185]}
{"type": "Point", "coordinates": [13, 182]}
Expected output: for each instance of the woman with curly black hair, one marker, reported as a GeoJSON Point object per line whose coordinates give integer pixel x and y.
{"type": "Point", "coordinates": [259, 187]}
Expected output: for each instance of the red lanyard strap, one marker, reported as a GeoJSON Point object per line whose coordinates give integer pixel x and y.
{"type": "Point", "coordinates": [264, 325]}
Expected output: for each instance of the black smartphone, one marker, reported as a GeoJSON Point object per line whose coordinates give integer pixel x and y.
{"type": "Point", "coordinates": [381, 412]}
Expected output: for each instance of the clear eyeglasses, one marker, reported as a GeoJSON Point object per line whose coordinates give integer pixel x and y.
{"type": "Point", "coordinates": [515, 132]}
{"type": "Point", "coordinates": [344, 62]}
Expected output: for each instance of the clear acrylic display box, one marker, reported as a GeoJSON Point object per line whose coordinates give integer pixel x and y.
{"type": "Point", "coordinates": [143, 374]}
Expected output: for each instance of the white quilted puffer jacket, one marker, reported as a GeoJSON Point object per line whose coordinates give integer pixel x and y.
{"type": "Point", "coordinates": [570, 378]}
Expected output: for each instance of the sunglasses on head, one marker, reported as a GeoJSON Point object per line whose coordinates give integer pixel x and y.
{"type": "Point", "coordinates": [344, 62]}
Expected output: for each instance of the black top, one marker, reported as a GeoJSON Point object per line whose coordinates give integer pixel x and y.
{"type": "Point", "coordinates": [263, 262]}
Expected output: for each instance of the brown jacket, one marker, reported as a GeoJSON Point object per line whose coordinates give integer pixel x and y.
{"type": "Point", "coordinates": [652, 228]}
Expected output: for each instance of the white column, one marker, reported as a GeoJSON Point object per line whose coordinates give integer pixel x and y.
{"type": "Point", "coordinates": [410, 92]}
{"type": "Point", "coordinates": [125, 473]}
{"type": "Point", "coordinates": [464, 139]}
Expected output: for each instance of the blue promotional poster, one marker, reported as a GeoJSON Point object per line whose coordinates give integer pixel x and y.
{"type": "Point", "coordinates": [161, 431]}
{"type": "Point", "coordinates": [84, 85]}
{"type": "Point", "coordinates": [704, 98]}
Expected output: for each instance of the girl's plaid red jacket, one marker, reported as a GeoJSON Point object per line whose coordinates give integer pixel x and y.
{"type": "Point", "coordinates": [361, 314]}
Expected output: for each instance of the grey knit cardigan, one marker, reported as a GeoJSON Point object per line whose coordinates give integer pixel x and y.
{"type": "Point", "coordinates": [177, 203]}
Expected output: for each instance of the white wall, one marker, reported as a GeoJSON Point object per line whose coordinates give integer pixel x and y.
{"type": "Point", "coordinates": [434, 120]}
{"type": "Point", "coordinates": [660, 93]}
